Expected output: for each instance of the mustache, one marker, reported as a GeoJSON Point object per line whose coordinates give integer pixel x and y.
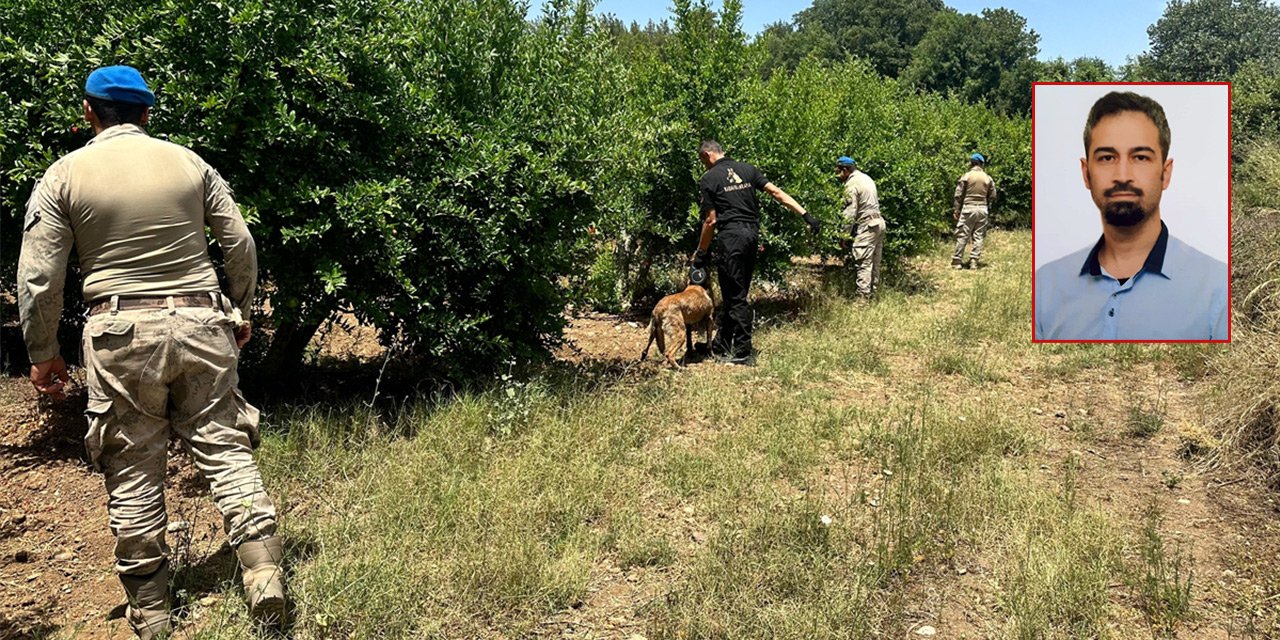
{"type": "Point", "coordinates": [1123, 187]}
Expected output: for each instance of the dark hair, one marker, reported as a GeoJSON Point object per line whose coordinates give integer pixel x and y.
{"type": "Point", "coordinates": [111, 113]}
{"type": "Point", "coordinates": [1119, 101]}
{"type": "Point", "coordinates": [710, 146]}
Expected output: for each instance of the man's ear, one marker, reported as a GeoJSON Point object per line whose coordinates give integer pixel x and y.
{"type": "Point", "coordinates": [1084, 173]}
{"type": "Point", "coordinates": [146, 115]}
{"type": "Point", "coordinates": [1167, 174]}
{"type": "Point", "coordinates": [89, 115]}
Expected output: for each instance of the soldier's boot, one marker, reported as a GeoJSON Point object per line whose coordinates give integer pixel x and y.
{"type": "Point", "coordinates": [148, 608]}
{"type": "Point", "coordinates": [261, 569]}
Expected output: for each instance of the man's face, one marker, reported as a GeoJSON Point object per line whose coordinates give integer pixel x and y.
{"type": "Point", "coordinates": [844, 172]}
{"type": "Point", "coordinates": [1125, 170]}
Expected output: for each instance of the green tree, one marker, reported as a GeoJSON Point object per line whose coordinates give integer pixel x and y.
{"type": "Point", "coordinates": [987, 58]}
{"type": "Point", "coordinates": [881, 31]}
{"type": "Point", "coordinates": [1084, 69]}
{"type": "Point", "coordinates": [1209, 40]}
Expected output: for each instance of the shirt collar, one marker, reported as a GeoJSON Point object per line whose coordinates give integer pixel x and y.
{"type": "Point", "coordinates": [116, 131]}
{"type": "Point", "coordinates": [722, 159]}
{"type": "Point", "coordinates": [1153, 264]}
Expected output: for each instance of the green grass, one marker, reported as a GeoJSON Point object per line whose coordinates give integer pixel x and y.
{"type": "Point", "coordinates": [812, 496]}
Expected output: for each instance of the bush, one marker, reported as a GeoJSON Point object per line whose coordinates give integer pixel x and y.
{"type": "Point", "coordinates": [433, 167]}
{"type": "Point", "coordinates": [427, 166]}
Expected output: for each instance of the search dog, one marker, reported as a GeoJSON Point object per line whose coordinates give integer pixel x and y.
{"type": "Point", "coordinates": [684, 312]}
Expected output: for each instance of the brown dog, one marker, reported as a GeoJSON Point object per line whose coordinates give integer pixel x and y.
{"type": "Point", "coordinates": [680, 313]}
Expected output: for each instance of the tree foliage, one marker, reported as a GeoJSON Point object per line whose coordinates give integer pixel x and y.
{"type": "Point", "coordinates": [1084, 69]}
{"type": "Point", "coordinates": [987, 58]}
{"type": "Point", "coordinates": [883, 32]}
{"type": "Point", "coordinates": [1210, 40]}
{"type": "Point", "coordinates": [454, 173]}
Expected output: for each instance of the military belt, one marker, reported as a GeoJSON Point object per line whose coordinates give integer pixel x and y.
{"type": "Point", "coordinates": [154, 302]}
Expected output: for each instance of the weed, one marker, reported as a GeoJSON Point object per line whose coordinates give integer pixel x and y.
{"type": "Point", "coordinates": [1161, 581]}
{"type": "Point", "coordinates": [1146, 417]}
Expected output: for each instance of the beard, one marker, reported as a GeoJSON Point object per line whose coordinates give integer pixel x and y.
{"type": "Point", "coordinates": [1124, 214]}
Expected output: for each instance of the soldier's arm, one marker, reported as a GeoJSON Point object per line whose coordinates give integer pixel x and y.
{"type": "Point", "coordinates": [47, 241]}
{"type": "Point", "coordinates": [991, 194]}
{"type": "Point", "coordinates": [222, 214]}
{"type": "Point", "coordinates": [958, 201]}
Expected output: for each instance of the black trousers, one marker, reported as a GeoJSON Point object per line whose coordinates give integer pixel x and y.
{"type": "Point", "coordinates": [735, 253]}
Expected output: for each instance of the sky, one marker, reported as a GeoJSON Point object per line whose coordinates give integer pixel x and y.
{"type": "Point", "coordinates": [1113, 30]}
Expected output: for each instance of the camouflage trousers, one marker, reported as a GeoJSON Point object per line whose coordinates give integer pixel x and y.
{"type": "Point", "coordinates": [864, 254]}
{"type": "Point", "coordinates": [970, 228]}
{"type": "Point", "coordinates": [152, 370]}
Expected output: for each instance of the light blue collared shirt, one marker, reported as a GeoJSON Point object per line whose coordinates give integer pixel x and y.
{"type": "Point", "coordinates": [1179, 294]}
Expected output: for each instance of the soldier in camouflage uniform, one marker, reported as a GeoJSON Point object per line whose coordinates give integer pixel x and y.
{"type": "Point", "coordinates": [863, 223]}
{"type": "Point", "coordinates": [975, 192]}
{"type": "Point", "coordinates": [161, 342]}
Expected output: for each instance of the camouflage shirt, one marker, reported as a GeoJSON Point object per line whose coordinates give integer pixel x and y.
{"type": "Point", "coordinates": [135, 209]}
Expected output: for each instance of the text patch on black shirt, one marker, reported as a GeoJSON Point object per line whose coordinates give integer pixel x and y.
{"type": "Point", "coordinates": [730, 188]}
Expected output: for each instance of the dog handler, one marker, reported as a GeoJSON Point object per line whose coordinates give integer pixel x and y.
{"type": "Point", "coordinates": [161, 341]}
{"type": "Point", "coordinates": [731, 213]}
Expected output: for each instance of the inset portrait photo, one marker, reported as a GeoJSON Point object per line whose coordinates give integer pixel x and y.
{"type": "Point", "coordinates": [1131, 212]}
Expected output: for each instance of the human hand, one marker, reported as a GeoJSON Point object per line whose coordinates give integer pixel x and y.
{"type": "Point", "coordinates": [815, 225]}
{"type": "Point", "coordinates": [243, 332]}
{"type": "Point", "coordinates": [50, 377]}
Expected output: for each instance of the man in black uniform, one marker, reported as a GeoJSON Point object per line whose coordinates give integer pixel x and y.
{"type": "Point", "coordinates": [728, 197]}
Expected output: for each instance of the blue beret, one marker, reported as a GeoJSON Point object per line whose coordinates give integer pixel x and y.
{"type": "Point", "coordinates": [844, 161]}
{"type": "Point", "coordinates": [119, 84]}
{"type": "Point", "coordinates": [977, 157]}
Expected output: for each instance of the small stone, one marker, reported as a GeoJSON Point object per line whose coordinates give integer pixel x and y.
{"type": "Point", "coordinates": [887, 472]}
{"type": "Point", "coordinates": [688, 511]}
{"type": "Point", "coordinates": [1183, 501]}
{"type": "Point", "coordinates": [32, 577]}
{"type": "Point", "coordinates": [698, 537]}
{"type": "Point", "coordinates": [1038, 411]}
{"type": "Point", "coordinates": [961, 570]}
{"type": "Point", "coordinates": [19, 518]}
{"type": "Point", "coordinates": [633, 325]}
{"type": "Point", "coordinates": [180, 525]}
{"type": "Point", "coordinates": [63, 556]}
{"type": "Point", "coordinates": [963, 419]}
{"type": "Point", "coordinates": [1227, 573]}
{"type": "Point", "coordinates": [22, 556]}
{"type": "Point", "coordinates": [926, 632]}
{"type": "Point", "coordinates": [1060, 414]}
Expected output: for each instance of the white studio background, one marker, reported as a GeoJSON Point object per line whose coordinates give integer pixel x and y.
{"type": "Point", "coordinates": [1195, 204]}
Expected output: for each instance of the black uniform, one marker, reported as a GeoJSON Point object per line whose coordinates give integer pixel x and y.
{"type": "Point", "coordinates": [730, 188]}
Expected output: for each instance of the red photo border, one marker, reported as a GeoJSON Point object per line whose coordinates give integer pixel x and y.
{"type": "Point", "coordinates": [1230, 135]}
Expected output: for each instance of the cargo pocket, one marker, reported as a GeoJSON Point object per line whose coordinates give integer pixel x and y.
{"type": "Point", "coordinates": [247, 417]}
{"type": "Point", "coordinates": [98, 412]}
{"type": "Point", "coordinates": [110, 333]}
